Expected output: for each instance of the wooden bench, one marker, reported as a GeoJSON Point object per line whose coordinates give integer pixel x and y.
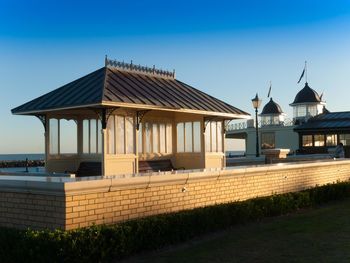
{"type": "Point", "coordinates": [155, 166]}
{"type": "Point", "coordinates": [89, 169]}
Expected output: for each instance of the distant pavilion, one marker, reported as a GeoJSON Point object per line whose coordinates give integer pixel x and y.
{"type": "Point", "coordinates": [123, 114]}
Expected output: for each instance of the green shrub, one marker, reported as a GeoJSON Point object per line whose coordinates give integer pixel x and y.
{"type": "Point", "coordinates": [105, 243]}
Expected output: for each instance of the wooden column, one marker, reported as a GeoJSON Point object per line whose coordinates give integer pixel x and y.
{"type": "Point", "coordinates": [136, 148]}
{"type": "Point", "coordinates": [104, 145]}
{"type": "Point", "coordinates": [104, 149]}
{"type": "Point", "coordinates": [47, 142]}
{"type": "Point", "coordinates": [223, 134]}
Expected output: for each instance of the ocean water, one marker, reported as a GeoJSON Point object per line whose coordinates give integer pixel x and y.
{"type": "Point", "coordinates": [23, 169]}
{"type": "Point", "coordinates": [22, 157]}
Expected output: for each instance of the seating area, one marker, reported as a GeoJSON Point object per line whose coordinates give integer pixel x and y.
{"type": "Point", "coordinates": [155, 166]}
{"type": "Point", "coordinates": [89, 169]}
{"type": "Point", "coordinates": [95, 168]}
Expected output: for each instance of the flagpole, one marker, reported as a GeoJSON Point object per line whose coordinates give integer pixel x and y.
{"type": "Point", "coordinates": [305, 71]}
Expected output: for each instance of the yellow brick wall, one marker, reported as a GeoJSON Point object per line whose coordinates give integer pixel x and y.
{"type": "Point", "coordinates": [123, 204]}
{"type": "Point", "coordinates": [38, 211]}
{"type": "Point", "coordinates": [83, 203]}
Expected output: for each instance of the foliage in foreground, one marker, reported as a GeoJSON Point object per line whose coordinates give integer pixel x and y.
{"type": "Point", "coordinates": [105, 243]}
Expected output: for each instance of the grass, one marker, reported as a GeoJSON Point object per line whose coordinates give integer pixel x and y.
{"type": "Point", "coordinates": [317, 235]}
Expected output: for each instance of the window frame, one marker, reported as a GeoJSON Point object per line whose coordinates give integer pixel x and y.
{"type": "Point", "coordinates": [345, 139]}
{"type": "Point", "coordinates": [59, 137]}
{"type": "Point", "coordinates": [98, 125]}
{"type": "Point", "coordinates": [192, 134]}
{"type": "Point", "coordinates": [125, 137]}
{"type": "Point", "coordinates": [302, 141]}
{"type": "Point", "coordinates": [273, 135]}
{"type": "Point", "coordinates": [209, 135]}
{"type": "Point", "coordinates": [167, 125]}
{"type": "Point", "coordinates": [323, 141]}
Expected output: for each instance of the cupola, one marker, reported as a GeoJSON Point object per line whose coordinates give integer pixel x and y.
{"type": "Point", "coordinates": [307, 103]}
{"type": "Point", "coordinates": [272, 114]}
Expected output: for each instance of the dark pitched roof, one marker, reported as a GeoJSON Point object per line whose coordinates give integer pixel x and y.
{"type": "Point", "coordinates": [112, 85]}
{"type": "Point", "coordinates": [307, 94]}
{"type": "Point", "coordinates": [271, 108]}
{"type": "Point", "coordinates": [86, 90]}
{"type": "Point", "coordinates": [327, 121]}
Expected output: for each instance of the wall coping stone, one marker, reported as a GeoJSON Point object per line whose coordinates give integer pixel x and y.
{"type": "Point", "coordinates": [72, 186]}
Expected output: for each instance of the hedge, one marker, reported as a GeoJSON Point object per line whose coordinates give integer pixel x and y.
{"type": "Point", "coordinates": [105, 243]}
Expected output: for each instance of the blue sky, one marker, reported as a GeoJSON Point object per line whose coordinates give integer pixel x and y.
{"type": "Point", "coordinates": [229, 49]}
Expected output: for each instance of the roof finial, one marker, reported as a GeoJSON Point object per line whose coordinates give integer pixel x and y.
{"type": "Point", "coordinates": [139, 68]}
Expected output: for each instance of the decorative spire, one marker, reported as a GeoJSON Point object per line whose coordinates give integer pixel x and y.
{"type": "Point", "coordinates": [139, 69]}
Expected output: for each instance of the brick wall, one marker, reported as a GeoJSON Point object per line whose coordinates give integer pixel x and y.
{"type": "Point", "coordinates": [23, 210]}
{"type": "Point", "coordinates": [76, 204]}
{"type": "Point", "coordinates": [139, 199]}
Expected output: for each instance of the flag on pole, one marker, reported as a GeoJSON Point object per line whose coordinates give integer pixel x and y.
{"type": "Point", "coordinates": [302, 75]}
{"type": "Point", "coordinates": [269, 93]}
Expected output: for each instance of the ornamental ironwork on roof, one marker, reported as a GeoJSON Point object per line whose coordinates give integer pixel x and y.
{"type": "Point", "coordinates": [271, 108]}
{"type": "Point", "coordinates": [139, 69]}
{"type": "Point", "coordinates": [327, 121]}
{"type": "Point", "coordinates": [306, 95]}
{"type": "Point", "coordinates": [122, 84]}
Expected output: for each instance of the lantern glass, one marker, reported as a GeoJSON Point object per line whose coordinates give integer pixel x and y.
{"type": "Point", "coordinates": [256, 102]}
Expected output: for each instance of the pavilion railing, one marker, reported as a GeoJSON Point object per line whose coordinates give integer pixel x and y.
{"type": "Point", "coordinates": [244, 125]}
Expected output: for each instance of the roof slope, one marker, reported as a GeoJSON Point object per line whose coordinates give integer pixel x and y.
{"type": "Point", "coordinates": [112, 85]}
{"type": "Point", "coordinates": [327, 121]}
{"type": "Point", "coordinates": [271, 108]}
{"type": "Point", "coordinates": [307, 94]}
{"type": "Point", "coordinates": [86, 90]}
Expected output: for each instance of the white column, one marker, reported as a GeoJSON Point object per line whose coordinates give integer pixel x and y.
{"type": "Point", "coordinates": [136, 139]}
{"type": "Point", "coordinates": [46, 147]}
{"type": "Point", "coordinates": [223, 131]}
{"type": "Point", "coordinates": [47, 142]}
{"type": "Point", "coordinates": [204, 150]}
{"type": "Point", "coordinates": [104, 149]}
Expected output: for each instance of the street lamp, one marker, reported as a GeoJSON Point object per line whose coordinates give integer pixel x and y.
{"type": "Point", "coordinates": [256, 104]}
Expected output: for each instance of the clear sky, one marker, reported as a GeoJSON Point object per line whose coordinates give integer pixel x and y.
{"type": "Point", "coordinates": [229, 49]}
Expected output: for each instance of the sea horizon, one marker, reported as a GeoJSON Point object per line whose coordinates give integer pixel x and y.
{"type": "Point", "coordinates": [21, 156]}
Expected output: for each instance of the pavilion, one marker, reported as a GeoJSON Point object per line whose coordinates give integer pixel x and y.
{"type": "Point", "coordinates": [123, 114]}
{"type": "Point", "coordinates": [324, 131]}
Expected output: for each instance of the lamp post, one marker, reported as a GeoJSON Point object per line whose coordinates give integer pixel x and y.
{"type": "Point", "coordinates": [256, 104]}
